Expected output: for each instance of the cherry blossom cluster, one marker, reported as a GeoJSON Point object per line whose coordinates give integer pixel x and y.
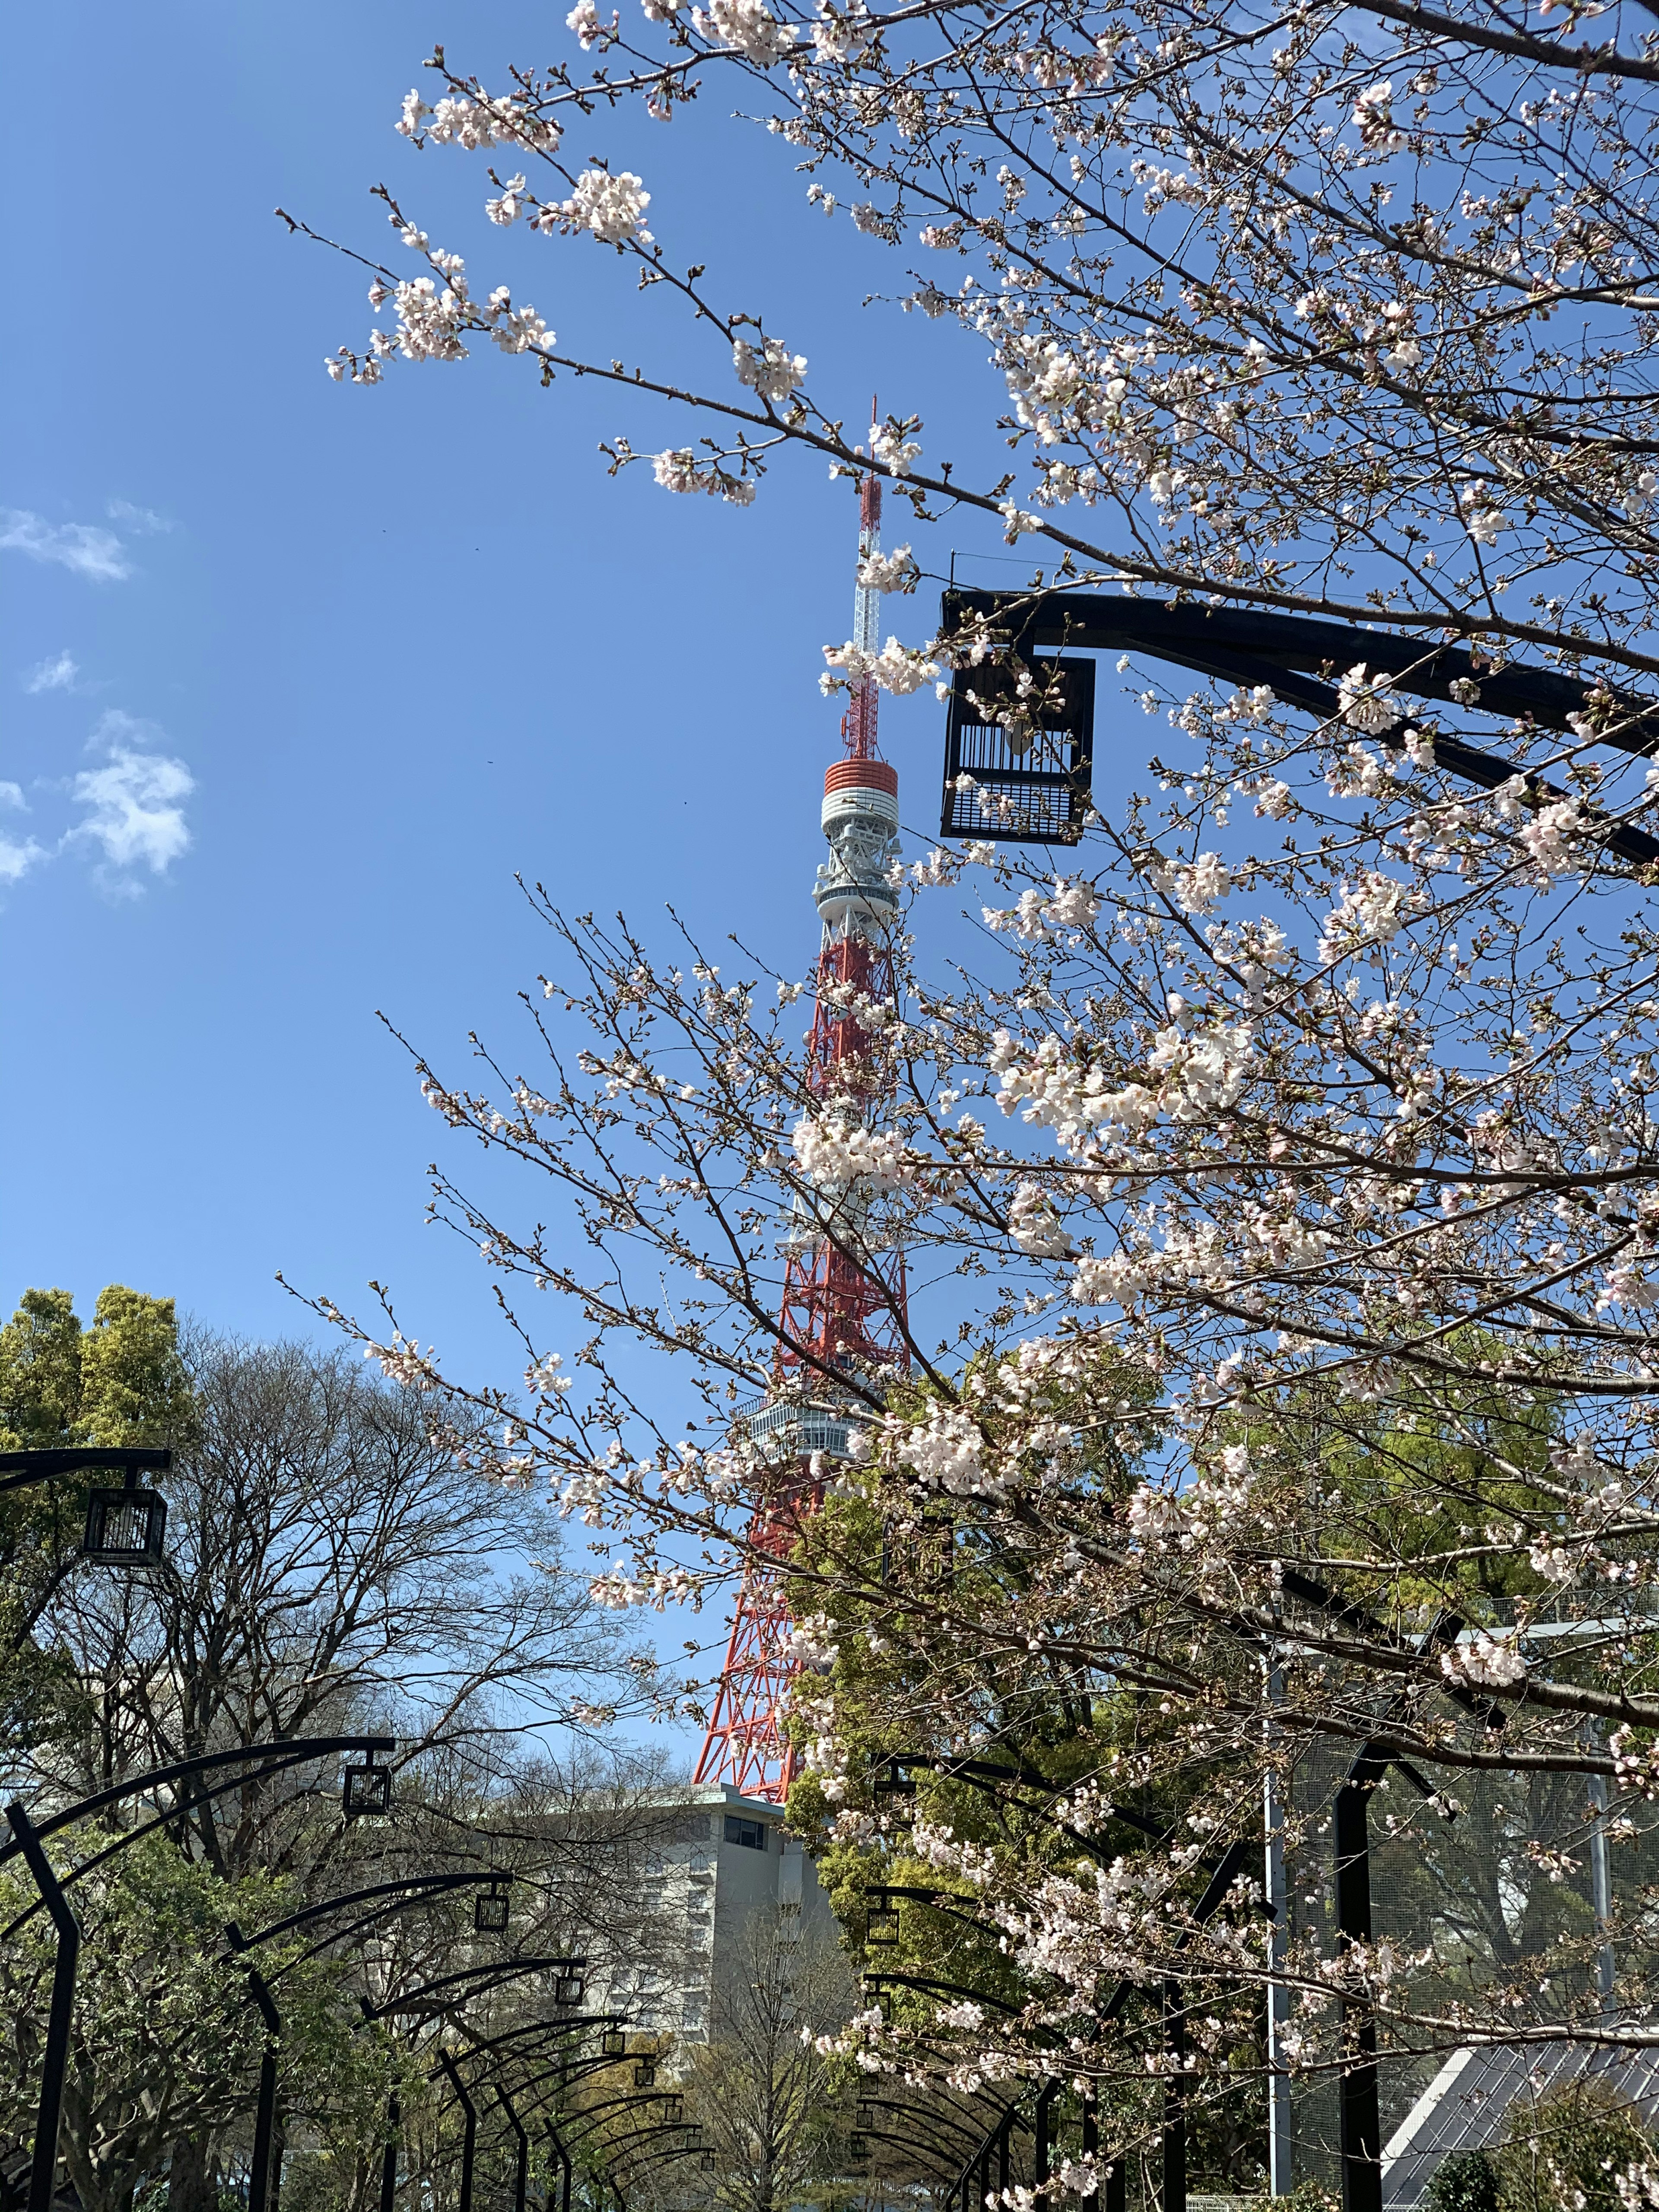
{"type": "Point", "coordinates": [1280, 1370]}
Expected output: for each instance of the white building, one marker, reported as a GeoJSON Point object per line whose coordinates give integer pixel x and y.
{"type": "Point", "coordinates": [721, 1858]}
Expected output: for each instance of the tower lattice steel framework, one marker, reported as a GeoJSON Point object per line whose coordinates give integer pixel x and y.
{"type": "Point", "coordinates": [837, 1311]}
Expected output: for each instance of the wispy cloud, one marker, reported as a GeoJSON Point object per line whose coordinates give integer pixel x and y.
{"type": "Point", "coordinates": [57, 675]}
{"type": "Point", "coordinates": [132, 810]}
{"type": "Point", "coordinates": [133, 801]}
{"type": "Point", "coordinates": [17, 859]}
{"type": "Point", "coordinates": [17, 855]}
{"type": "Point", "coordinates": [142, 518]}
{"type": "Point", "coordinates": [82, 547]}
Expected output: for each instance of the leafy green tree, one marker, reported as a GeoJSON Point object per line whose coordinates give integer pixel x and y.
{"type": "Point", "coordinates": [165, 2040]}
{"type": "Point", "coordinates": [120, 1381]}
{"type": "Point", "coordinates": [1467, 2183]}
{"type": "Point", "coordinates": [40, 1372]}
{"type": "Point", "coordinates": [1569, 2152]}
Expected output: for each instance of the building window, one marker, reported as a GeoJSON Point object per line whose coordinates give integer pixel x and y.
{"type": "Point", "coordinates": [751, 1834]}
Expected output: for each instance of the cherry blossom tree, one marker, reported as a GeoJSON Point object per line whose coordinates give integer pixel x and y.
{"type": "Point", "coordinates": [1280, 1182]}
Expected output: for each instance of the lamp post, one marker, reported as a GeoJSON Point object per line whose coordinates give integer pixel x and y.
{"type": "Point", "coordinates": [43, 2169]}
{"type": "Point", "coordinates": [28, 1839]}
{"type": "Point", "coordinates": [265, 2124]}
{"type": "Point", "coordinates": [1045, 777]}
{"type": "Point", "coordinates": [521, 2173]}
{"type": "Point", "coordinates": [123, 1527]}
{"type": "Point", "coordinates": [470, 2129]}
{"type": "Point", "coordinates": [563, 2157]}
{"type": "Point", "coordinates": [413, 1890]}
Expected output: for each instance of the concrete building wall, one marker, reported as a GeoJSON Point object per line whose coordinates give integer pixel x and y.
{"type": "Point", "coordinates": [720, 1861]}
{"type": "Point", "coordinates": [722, 1858]}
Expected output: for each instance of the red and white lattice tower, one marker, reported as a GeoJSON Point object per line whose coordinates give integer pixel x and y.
{"type": "Point", "coordinates": [839, 1310]}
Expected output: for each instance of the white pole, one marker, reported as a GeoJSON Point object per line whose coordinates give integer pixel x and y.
{"type": "Point", "coordinates": [1281, 2178]}
{"type": "Point", "coordinates": [1602, 1892]}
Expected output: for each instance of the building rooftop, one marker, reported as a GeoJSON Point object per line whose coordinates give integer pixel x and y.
{"type": "Point", "coordinates": [1466, 2105]}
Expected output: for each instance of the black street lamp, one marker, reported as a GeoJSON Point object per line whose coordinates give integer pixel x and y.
{"type": "Point", "coordinates": [123, 1527]}
{"type": "Point", "coordinates": [366, 1792]}
{"type": "Point", "coordinates": [881, 1921]}
{"type": "Point", "coordinates": [28, 1839]}
{"type": "Point", "coordinates": [487, 1976]}
{"type": "Point", "coordinates": [490, 1909]}
{"type": "Point", "coordinates": [1038, 768]}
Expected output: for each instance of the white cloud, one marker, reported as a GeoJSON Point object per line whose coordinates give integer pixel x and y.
{"type": "Point", "coordinates": [80, 546]}
{"type": "Point", "coordinates": [17, 859]}
{"type": "Point", "coordinates": [57, 675]}
{"type": "Point", "coordinates": [145, 519]}
{"type": "Point", "coordinates": [133, 807]}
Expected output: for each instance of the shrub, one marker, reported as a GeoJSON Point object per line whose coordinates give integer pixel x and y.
{"type": "Point", "coordinates": [1566, 2153]}
{"type": "Point", "coordinates": [1467, 2183]}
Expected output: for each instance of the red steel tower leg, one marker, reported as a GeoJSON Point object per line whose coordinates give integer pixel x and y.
{"type": "Point", "coordinates": [836, 1312]}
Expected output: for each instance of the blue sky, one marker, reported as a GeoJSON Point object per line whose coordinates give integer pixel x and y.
{"type": "Point", "coordinates": [297, 675]}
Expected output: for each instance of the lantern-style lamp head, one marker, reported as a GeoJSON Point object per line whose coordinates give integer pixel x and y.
{"type": "Point", "coordinates": [613, 2043]}
{"type": "Point", "coordinates": [569, 1989]}
{"type": "Point", "coordinates": [644, 2073]}
{"type": "Point", "coordinates": [891, 1777]}
{"type": "Point", "coordinates": [882, 1920]}
{"type": "Point", "coordinates": [367, 1791]}
{"type": "Point", "coordinates": [706, 2161]}
{"type": "Point", "coordinates": [860, 2147]}
{"type": "Point", "coordinates": [489, 1910]}
{"type": "Point", "coordinates": [124, 1526]}
{"type": "Point", "coordinates": [1018, 746]}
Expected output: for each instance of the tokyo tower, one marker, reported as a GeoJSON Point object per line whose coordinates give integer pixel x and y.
{"type": "Point", "coordinates": [838, 1311]}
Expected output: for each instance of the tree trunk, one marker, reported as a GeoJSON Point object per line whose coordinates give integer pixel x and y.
{"type": "Point", "coordinates": [192, 2175]}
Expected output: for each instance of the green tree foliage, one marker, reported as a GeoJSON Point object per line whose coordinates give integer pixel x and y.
{"type": "Point", "coordinates": [120, 1381]}
{"type": "Point", "coordinates": [134, 1386]}
{"type": "Point", "coordinates": [1569, 2152]}
{"type": "Point", "coordinates": [165, 2040]}
{"type": "Point", "coordinates": [1467, 2183]}
{"type": "Point", "coordinates": [40, 1372]}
